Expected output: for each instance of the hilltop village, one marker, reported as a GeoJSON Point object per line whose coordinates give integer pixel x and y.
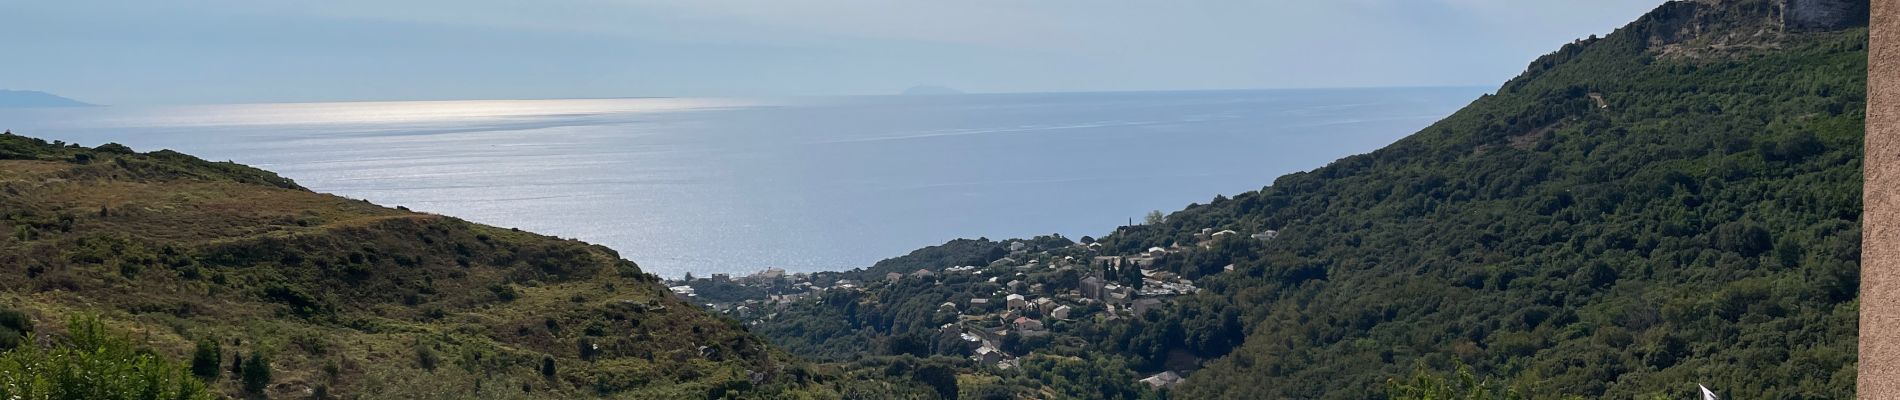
{"type": "Point", "coordinates": [1035, 291]}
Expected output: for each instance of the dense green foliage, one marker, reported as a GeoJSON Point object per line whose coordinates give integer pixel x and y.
{"type": "Point", "coordinates": [1674, 204]}
{"type": "Point", "coordinates": [256, 374]}
{"type": "Point", "coordinates": [93, 363]}
{"type": "Point", "coordinates": [15, 328]}
{"type": "Point", "coordinates": [1700, 226]}
{"type": "Point", "coordinates": [1460, 386]}
{"type": "Point", "coordinates": [207, 359]}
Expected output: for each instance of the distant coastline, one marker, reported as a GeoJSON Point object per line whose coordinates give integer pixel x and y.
{"type": "Point", "coordinates": [31, 99]}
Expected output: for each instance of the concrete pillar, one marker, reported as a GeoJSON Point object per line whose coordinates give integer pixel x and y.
{"type": "Point", "coordinates": [1880, 223]}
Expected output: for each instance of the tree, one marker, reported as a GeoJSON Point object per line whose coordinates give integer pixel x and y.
{"type": "Point", "coordinates": [939, 377]}
{"type": "Point", "coordinates": [587, 348]}
{"type": "Point", "coordinates": [205, 360]}
{"type": "Point", "coordinates": [547, 366]}
{"type": "Point", "coordinates": [256, 373]}
{"type": "Point", "coordinates": [15, 328]}
{"type": "Point", "coordinates": [1155, 218]}
{"type": "Point", "coordinates": [426, 356]}
{"type": "Point", "coordinates": [114, 148]}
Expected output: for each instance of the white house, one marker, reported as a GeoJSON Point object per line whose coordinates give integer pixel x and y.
{"type": "Point", "coordinates": [682, 290]}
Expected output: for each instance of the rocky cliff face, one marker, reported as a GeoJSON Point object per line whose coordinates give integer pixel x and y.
{"type": "Point", "coordinates": [1713, 28]}
{"type": "Point", "coordinates": [1823, 15]}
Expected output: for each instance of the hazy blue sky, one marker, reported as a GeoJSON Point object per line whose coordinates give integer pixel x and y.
{"type": "Point", "coordinates": [155, 52]}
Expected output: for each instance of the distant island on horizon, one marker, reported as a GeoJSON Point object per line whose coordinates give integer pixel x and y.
{"type": "Point", "coordinates": [31, 98]}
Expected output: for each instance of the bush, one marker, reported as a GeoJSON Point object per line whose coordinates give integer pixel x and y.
{"type": "Point", "coordinates": [205, 360]}
{"type": "Point", "coordinates": [94, 364]}
{"type": "Point", "coordinates": [15, 327]}
{"type": "Point", "coordinates": [256, 373]}
{"type": "Point", "coordinates": [426, 357]}
{"type": "Point", "coordinates": [114, 148]}
{"type": "Point", "coordinates": [504, 292]}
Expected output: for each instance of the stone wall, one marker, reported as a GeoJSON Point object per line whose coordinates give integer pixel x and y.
{"type": "Point", "coordinates": [1880, 224]}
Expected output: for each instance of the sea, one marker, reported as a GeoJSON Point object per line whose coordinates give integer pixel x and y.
{"type": "Point", "coordinates": [735, 185]}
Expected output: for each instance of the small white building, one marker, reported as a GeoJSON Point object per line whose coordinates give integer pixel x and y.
{"type": "Point", "coordinates": [1016, 301]}
{"type": "Point", "coordinates": [682, 290]}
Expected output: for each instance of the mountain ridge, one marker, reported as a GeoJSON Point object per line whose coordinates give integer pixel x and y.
{"type": "Point", "coordinates": [1673, 203]}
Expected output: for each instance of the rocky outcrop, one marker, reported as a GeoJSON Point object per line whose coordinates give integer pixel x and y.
{"type": "Point", "coordinates": [1823, 15]}
{"type": "Point", "coordinates": [1712, 28]}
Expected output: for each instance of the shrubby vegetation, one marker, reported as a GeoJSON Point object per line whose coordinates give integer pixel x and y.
{"type": "Point", "coordinates": [1700, 227]}
{"type": "Point", "coordinates": [91, 362]}
{"type": "Point", "coordinates": [16, 329]}
{"type": "Point", "coordinates": [300, 292]}
{"type": "Point", "coordinates": [1634, 215]}
{"type": "Point", "coordinates": [1621, 221]}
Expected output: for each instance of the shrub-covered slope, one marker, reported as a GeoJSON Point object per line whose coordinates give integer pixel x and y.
{"type": "Point", "coordinates": [344, 297]}
{"type": "Point", "coordinates": [1672, 204]}
{"type": "Point", "coordinates": [1676, 203]}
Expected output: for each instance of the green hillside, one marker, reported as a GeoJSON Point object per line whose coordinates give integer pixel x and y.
{"type": "Point", "coordinates": [1673, 204]}
{"type": "Point", "coordinates": [1676, 203]}
{"type": "Point", "coordinates": [340, 297]}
